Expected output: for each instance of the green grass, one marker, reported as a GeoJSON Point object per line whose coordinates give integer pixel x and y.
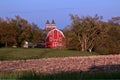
{"type": "Point", "coordinates": [37, 53]}
{"type": "Point", "coordinates": [59, 76]}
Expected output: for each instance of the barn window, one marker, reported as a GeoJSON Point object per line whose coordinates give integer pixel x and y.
{"type": "Point", "coordinates": [60, 39]}
{"type": "Point", "coordinates": [50, 39]}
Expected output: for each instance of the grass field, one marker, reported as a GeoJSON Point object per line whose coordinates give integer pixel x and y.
{"type": "Point", "coordinates": [59, 76]}
{"type": "Point", "coordinates": [37, 53]}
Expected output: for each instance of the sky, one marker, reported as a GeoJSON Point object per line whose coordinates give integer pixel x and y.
{"type": "Point", "coordinates": [39, 11]}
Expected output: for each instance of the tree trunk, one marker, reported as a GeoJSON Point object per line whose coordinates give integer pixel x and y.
{"type": "Point", "coordinates": [84, 43]}
{"type": "Point", "coordinates": [6, 44]}
{"type": "Point", "coordinates": [82, 47]}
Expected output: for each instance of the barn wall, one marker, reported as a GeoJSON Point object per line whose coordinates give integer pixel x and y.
{"type": "Point", "coordinates": [53, 39]}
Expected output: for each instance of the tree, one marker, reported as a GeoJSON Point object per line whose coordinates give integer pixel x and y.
{"type": "Point", "coordinates": [23, 29]}
{"type": "Point", "coordinates": [109, 40]}
{"type": "Point", "coordinates": [71, 41]}
{"type": "Point", "coordinates": [87, 30]}
{"type": "Point", "coordinates": [7, 33]}
{"type": "Point", "coordinates": [114, 34]}
{"type": "Point", "coordinates": [115, 20]}
{"type": "Point", "coordinates": [36, 35]}
{"type": "Point", "coordinates": [14, 31]}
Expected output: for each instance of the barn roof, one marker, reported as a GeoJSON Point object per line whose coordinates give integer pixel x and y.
{"type": "Point", "coordinates": [47, 22]}
{"type": "Point", "coordinates": [53, 22]}
{"type": "Point", "coordinates": [57, 30]}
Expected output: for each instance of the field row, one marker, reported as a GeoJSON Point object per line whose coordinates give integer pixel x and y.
{"type": "Point", "coordinates": [108, 63]}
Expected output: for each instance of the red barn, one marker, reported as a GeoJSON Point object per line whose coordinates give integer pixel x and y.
{"type": "Point", "coordinates": [55, 38]}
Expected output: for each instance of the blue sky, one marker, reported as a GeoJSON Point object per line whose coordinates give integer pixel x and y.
{"type": "Point", "coordinates": [38, 11]}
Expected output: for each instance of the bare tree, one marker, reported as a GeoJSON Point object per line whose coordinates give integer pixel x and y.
{"type": "Point", "coordinates": [86, 29]}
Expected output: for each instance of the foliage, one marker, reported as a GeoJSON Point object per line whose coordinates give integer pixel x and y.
{"type": "Point", "coordinates": [13, 31]}
{"type": "Point", "coordinates": [7, 33]}
{"type": "Point", "coordinates": [85, 33]}
{"type": "Point", "coordinates": [86, 30]}
{"type": "Point", "coordinates": [89, 33]}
